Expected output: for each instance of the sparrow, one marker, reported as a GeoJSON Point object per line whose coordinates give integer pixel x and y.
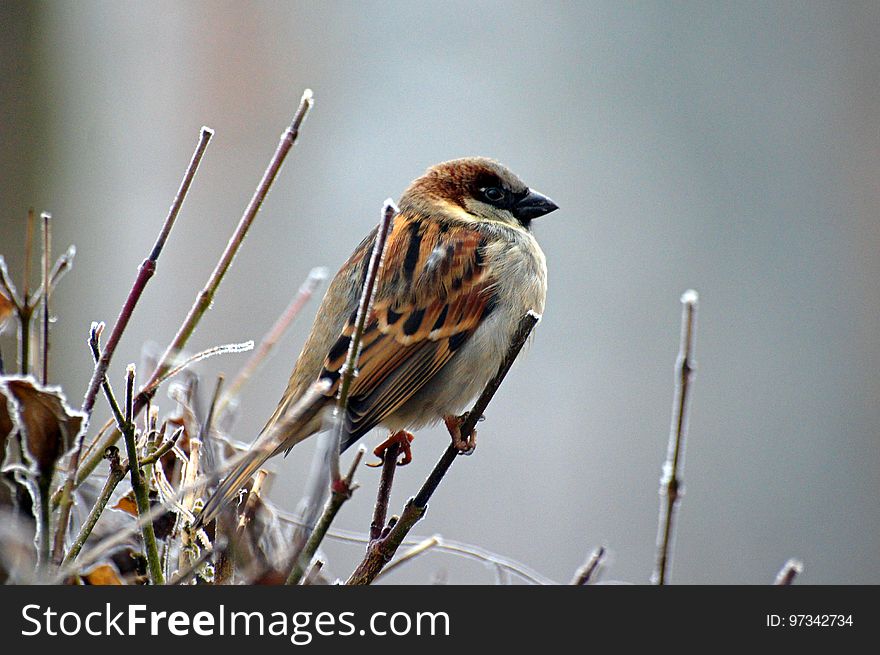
{"type": "Point", "coordinates": [461, 268]}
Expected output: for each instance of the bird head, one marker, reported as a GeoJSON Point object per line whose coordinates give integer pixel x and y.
{"type": "Point", "coordinates": [476, 189]}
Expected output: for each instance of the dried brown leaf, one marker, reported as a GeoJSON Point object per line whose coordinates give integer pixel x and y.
{"type": "Point", "coordinates": [127, 504]}
{"type": "Point", "coordinates": [103, 574]}
{"type": "Point", "coordinates": [47, 424]}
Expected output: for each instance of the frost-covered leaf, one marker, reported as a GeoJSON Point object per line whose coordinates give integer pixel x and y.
{"type": "Point", "coordinates": [48, 426]}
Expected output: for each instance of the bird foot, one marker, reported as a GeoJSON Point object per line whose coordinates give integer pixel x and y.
{"type": "Point", "coordinates": [402, 439]}
{"type": "Point", "coordinates": [464, 445]}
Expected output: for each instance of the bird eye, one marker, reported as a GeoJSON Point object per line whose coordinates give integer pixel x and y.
{"type": "Point", "coordinates": [493, 194]}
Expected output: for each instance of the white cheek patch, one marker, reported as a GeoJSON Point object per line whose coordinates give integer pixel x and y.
{"type": "Point", "coordinates": [452, 209]}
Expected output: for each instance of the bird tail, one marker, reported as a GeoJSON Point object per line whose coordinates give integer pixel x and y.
{"type": "Point", "coordinates": [282, 434]}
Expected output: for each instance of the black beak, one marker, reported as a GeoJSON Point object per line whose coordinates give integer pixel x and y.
{"type": "Point", "coordinates": [533, 205]}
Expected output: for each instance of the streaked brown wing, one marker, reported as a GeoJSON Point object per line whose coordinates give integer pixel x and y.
{"type": "Point", "coordinates": [433, 291]}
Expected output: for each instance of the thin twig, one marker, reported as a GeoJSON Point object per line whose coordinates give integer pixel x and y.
{"type": "Point", "coordinates": [225, 349]}
{"type": "Point", "coordinates": [305, 409]}
{"type": "Point", "coordinates": [208, 423]}
{"type": "Point", "coordinates": [342, 488]}
{"type": "Point", "coordinates": [389, 211]}
{"type": "Point", "coordinates": [163, 449]}
{"type": "Point", "coordinates": [789, 572]}
{"type": "Point", "coordinates": [341, 493]}
{"type": "Point", "coordinates": [314, 571]}
{"type": "Point", "coordinates": [306, 291]}
{"type": "Point", "coordinates": [206, 295]}
{"type": "Point", "coordinates": [383, 495]}
{"type": "Point", "coordinates": [117, 473]}
{"type": "Point", "coordinates": [62, 265]}
{"type": "Point", "coordinates": [585, 573]}
{"type": "Point", "coordinates": [7, 286]}
{"type": "Point", "coordinates": [420, 548]}
{"type": "Point", "coordinates": [145, 272]}
{"type": "Point", "coordinates": [381, 551]}
{"type": "Point", "coordinates": [47, 253]}
{"type": "Point", "coordinates": [141, 493]}
{"type": "Point", "coordinates": [670, 481]}
{"type": "Point", "coordinates": [28, 250]}
{"type": "Point", "coordinates": [23, 309]}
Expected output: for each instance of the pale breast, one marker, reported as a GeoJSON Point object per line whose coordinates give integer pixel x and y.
{"type": "Point", "coordinates": [522, 287]}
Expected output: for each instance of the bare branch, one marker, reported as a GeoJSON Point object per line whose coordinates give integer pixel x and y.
{"type": "Point", "coordinates": [141, 492]}
{"type": "Point", "coordinates": [342, 491]}
{"type": "Point", "coordinates": [145, 272]}
{"type": "Point", "coordinates": [306, 291]}
{"type": "Point", "coordinates": [420, 548]}
{"type": "Point", "coordinates": [585, 573]}
{"type": "Point", "coordinates": [389, 211]}
{"type": "Point", "coordinates": [383, 495]}
{"type": "Point", "coordinates": [7, 286]}
{"type": "Point", "coordinates": [670, 482]}
{"type": "Point", "coordinates": [117, 473]}
{"type": "Point", "coordinates": [380, 551]}
{"type": "Point", "coordinates": [206, 295]}
{"type": "Point", "coordinates": [225, 349]}
{"type": "Point", "coordinates": [47, 253]}
{"type": "Point", "coordinates": [789, 572]}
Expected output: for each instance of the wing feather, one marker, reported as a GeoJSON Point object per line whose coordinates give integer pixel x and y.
{"type": "Point", "coordinates": [434, 289]}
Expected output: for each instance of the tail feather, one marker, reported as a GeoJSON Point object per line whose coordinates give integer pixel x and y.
{"type": "Point", "coordinates": [280, 434]}
{"type": "Point", "coordinates": [231, 486]}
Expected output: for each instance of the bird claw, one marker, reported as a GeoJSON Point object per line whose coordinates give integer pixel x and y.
{"type": "Point", "coordinates": [465, 446]}
{"type": "Point", "coordinates": [402, 439]}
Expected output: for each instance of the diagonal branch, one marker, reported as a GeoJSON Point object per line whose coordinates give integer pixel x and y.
{"type": "Point", "coordinates": [789, 572]}
{"type": "Point", "coordinates": [342, 488]}
{"type": "Point", "coordinates": [380, 551]}
{"type": "Point", "coordinates": [586, 572]}
{"type": "Point", "coordinates": [306, 291]}
{"type": "Point", "coordinates": [145, 272]}
{"type": "Point", "coordinates": [389, 211]}
{"type": "Point", "coordinates": [206, 295]}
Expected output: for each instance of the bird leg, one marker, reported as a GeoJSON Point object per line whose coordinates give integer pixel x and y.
{"type": "Point", "coordinates": [465, 445]}
{"type": "Point", "coordinates": [402, 439]}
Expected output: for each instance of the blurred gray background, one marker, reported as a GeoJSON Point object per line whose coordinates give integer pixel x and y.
{"type": "Point", "coordinates": [730, 147]}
